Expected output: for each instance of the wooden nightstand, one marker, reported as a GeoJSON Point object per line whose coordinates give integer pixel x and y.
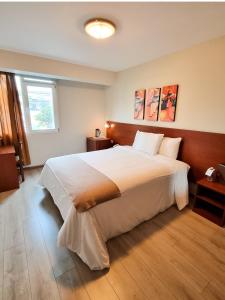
{"type": "Point", "coordinates": [210, 201]}
{"type": "Point", "coordinates": [98, 143]}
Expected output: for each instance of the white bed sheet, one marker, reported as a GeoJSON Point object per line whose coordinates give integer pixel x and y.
{"type": "Point", "coordinates": [148, 185]}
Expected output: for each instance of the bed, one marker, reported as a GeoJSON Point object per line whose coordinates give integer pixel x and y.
{"type": "Point", "coordinates": [148, 185]}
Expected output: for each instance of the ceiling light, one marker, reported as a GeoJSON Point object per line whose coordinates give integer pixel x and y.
{"type": "Point", "coordinates": [99, 28]}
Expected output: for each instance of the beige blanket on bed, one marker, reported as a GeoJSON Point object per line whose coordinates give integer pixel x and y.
{"type": "Point", "coordinates": [92, 186]}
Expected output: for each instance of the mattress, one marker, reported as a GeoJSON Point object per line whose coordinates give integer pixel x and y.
{"type": "Point", "coordinates": [148, 185]}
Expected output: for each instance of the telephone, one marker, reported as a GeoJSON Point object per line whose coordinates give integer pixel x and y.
{"type": "Point", "coordinates": [211, 174]}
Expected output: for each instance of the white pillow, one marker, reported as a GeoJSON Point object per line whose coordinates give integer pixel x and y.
{"type": "Point", "coordinates": [136, 139]}
{"type": "Point", "coordinates": [147, 142]}
{"type": "Point", "coordinates": [170, 147]}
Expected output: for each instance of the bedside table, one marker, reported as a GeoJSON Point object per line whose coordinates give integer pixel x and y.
{"type": "Point", "coordinates": [210, 201]}
{"type": "Point", "coordinates": [100, 143]}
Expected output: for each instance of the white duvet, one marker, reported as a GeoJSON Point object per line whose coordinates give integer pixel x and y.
{"type": "Point", "coordinates": [148, 185]}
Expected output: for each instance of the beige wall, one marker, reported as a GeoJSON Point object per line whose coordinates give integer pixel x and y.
{"type": "Point", "coordinates": [200, 73]}
{"type": "Point", "coordinates": [81, 110]}
{"type": "Point", "coordinates": [81, 102]}
{"type": "Point", "coordinates": [34, 65]}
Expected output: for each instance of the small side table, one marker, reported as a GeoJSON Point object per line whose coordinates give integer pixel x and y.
{"type": "Point", "coordinates": [100, 143]}
{"type": "Point", "coordinates": [210, 201]}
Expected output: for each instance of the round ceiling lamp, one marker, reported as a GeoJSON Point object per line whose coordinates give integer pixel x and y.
{"type": "Point", "coordinates": [99, 28]}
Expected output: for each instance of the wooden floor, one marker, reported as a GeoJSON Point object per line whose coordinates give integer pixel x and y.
{"type": "Point", "coordinates": [177, 255]}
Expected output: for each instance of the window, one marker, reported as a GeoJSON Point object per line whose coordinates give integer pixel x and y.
{"type": "Point", "coordinates": [39, 104]}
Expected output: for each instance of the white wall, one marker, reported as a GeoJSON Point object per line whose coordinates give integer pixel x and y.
{"type": "Point", "coordinates": [81, 110]}
{"type": "Point", "coordinates": [200, 73]}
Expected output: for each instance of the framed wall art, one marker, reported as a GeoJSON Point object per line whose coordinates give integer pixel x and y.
{"type": "Point", "coordinates": [168, 103]}
{"type": "Point", "coordinates": [152, 104]}
{"type": "Point", "coordinates": [139, 104]}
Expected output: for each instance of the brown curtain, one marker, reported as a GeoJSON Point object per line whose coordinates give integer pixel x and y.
{"type": "Point", "coordinates": [11, 122]}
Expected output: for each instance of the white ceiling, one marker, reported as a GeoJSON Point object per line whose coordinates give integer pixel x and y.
{"type": "Point", "coordinates": [145, 30]}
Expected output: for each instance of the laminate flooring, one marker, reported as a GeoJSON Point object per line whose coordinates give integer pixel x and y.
{"type": "Point", "coordinates": [176, 255]}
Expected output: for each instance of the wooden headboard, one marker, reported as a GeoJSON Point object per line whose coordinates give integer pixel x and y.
{"type": "Point", "coordinates": [199, 149]}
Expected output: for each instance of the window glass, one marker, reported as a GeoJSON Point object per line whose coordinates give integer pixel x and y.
{"type": "Point", "coordinates": [41, 107]}
{"type": "Point", "coordinates": [38, 103]}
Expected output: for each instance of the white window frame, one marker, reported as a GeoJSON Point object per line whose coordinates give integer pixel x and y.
{"type": "Point", "coordinates": [33, 81]}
